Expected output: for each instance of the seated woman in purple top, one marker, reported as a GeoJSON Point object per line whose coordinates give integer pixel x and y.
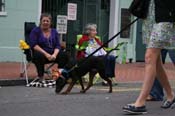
{"type": "Point", "coordinates": [45, 43]}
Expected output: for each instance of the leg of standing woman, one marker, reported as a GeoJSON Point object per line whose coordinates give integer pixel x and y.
{"type": "Point", "coordinates": [151, 57]}
{"type": "Point", "coordinates": [164, 54]}
{"type": "Point", "coordinates": [156, 93]}
{"type": "Point", "coordinates": [172, 55]}
{"type": "Point", "coordinates": [164, 80]}
{"type": "Point", "coordinates": [157, 68]}
{"type": "Point", "coordinates": [153, 67]}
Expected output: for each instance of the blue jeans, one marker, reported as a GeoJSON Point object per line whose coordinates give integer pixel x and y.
{"type": "Point", "coordinates": [157, 89]}
{"type": "Point", "coordinates": [171, 54]}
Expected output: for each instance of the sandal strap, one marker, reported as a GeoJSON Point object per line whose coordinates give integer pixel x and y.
{"type": "Point", "coordinates": [131, 109]}
{"type": "Point", "coordinates": [168, 104]}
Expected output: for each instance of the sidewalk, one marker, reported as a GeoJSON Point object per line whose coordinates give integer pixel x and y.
{"type": "Point", "coordinates": [124, 72]}
{"type": "Point", "coordinates": [135, 72]}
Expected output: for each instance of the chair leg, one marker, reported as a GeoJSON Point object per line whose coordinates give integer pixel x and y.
{"type": "Point", "coordinates": [26, 74]}
{"type": "Point", "coordinates": [24, 69]}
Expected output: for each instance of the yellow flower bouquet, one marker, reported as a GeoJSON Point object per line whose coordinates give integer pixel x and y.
{"type": "Point", "coordinates": [26, 49]}
{"type": "Point", "coordinates": [23, 45]}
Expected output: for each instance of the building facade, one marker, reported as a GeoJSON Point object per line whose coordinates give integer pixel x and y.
{"type": "Point", "coordinates": [13, 14]}
{"type": "Point", "coordinates": [110, 16]}
{"type": "Point", "coordinates": [119, 18]}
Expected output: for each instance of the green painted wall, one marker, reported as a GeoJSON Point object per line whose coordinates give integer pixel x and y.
{"type": "Point", "coordinates": [131, 41]}
{"type": "Point", "coordinates": [12, 26]}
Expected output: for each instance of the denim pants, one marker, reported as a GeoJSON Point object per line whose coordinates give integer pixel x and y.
{"type": "Point", "coordinates": [157, 89]}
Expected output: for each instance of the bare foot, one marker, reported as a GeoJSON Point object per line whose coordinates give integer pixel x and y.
{"type": "Point", "coordinates": [149, 98]}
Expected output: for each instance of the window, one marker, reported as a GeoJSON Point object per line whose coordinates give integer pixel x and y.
{"type": "Point", "coordinates": [125, 20]}
{"type": "Point", "coordinates": [2, 5]}
{"type": "Point", "coordinates": [105, 4]}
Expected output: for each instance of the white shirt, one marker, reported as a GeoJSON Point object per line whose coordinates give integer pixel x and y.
{"type": "Point", "coordinates": [92, 46]}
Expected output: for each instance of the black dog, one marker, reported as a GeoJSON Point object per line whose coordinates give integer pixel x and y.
{"type": "Point", "coordinates": [91, 65]}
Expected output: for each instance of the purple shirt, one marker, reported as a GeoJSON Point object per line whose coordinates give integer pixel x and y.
{"type": "Point", "coordinates": [47, 44]}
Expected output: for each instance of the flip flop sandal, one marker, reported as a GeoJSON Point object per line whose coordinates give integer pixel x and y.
{"type": "Point", "coordinates": [131, 109]}
{"type": "Point", "coordinates": [167, 104]}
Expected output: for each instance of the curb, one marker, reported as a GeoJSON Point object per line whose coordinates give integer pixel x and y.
{"type": "Point", "coordinates": [22, 82]}
{"type": "Point", "coordinates": [14, 82]}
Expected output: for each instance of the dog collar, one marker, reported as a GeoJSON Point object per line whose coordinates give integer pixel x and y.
{"type": "Point", "coordinates": [59, 73]}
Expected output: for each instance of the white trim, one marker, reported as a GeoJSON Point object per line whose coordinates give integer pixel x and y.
{"type": "Point", "coordinates": [114, 21]}
{"type": "Point", "coordinates": [6, 47]}
{"type": "Point", "coordinates": [3, 13]}
{"type": "Point", "coordinates": [134, 37]}
{"type": "Point", "coordinates": [39, 10]}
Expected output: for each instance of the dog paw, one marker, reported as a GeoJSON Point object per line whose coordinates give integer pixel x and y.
{"type": "Point", "coordinates": [82, 91]}
{"type": "Point", "coordinates": [64, 93]}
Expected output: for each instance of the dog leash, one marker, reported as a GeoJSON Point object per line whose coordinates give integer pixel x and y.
{"type": "Point", "coordinates": [102, 46]}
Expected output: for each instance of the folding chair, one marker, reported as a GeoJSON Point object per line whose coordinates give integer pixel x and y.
{"type": "Point", "coordinates": [109, 50]}
{"type": "Point", "coordinates": [27, 54]}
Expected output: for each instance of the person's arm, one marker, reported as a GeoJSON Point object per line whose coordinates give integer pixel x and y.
{"type": "Point", "coordinates": [34, 43]}
{"type": "Point", "coordinates": [83, 43]}
{"type": "Point", "coordinates": [57, 45]}
{"type": "Point", "coordinates": [39, 49]}
{"type": "Point", "coordinates": [82, 40]}
{"type": "Point", "coordinates": [54, 55]}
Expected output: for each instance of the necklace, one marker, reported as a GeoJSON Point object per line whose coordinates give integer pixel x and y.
{"type": "Point", "coordinates": [46, 33]}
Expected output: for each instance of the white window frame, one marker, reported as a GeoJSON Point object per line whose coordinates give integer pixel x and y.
{"type": "Point", "coordinates": [2, 10]}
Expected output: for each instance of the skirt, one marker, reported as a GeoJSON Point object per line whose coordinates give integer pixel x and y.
{"type": "Point", "coordinates": [157, 35]}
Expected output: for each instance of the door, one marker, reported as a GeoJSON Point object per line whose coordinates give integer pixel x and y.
{"type": "Point", "coordinates": [140, 47]}
{"type": "Point", "coordinates": [97, 11]}
{"type": "Point", "coordinates": [88, 11]}
{"type": "Point", "coordinates": [59, 7]}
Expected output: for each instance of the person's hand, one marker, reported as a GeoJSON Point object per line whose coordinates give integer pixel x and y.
{"type": "Point", "coordinates": [48, 56]}
{"type": "Point", "coordinates": [53, 57]}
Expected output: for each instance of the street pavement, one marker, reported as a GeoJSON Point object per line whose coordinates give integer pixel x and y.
{"type": "Point", "coordinates": [29, 101]}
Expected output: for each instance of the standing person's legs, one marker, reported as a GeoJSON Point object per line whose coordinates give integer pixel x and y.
{"type": "Point", "coordinates": [151, 57]}
{"type": "Point", "coordinates": [164, 54]}
{"type": "Point", "coordinates": [153, 67]}
{"type": "Point", "coordinates": [149, 77]}
{"type": "Point", "coordinates": [164, 80]}
{"type": "Point", "coordinates": [172, 55]}
{"type": "Point", "coordinates": [156, 93]}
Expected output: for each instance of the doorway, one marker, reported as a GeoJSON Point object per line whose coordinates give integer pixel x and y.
{"type": "Point", "coordinates": [88, 11]}
{"type": "Point", "coordinates": [140, 47]}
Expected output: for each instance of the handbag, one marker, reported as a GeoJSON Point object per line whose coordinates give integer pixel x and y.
{"type": "Point", "coordinates": [139, 8]}
{"type": "Point", "coordinates": [171, 10]}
